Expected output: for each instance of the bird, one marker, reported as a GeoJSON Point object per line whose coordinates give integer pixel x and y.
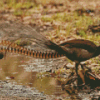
{"type": "Point", "coordinates": [77, 50]}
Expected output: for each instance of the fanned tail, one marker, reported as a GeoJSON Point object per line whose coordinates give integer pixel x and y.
{"type": "Point", "coordinates": [14, 31]}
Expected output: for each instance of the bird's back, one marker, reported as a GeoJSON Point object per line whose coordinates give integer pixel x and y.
{"type": "Point", "coordinates": [79, 49]}
{"type": "Point", "coordinates": [80, 43]}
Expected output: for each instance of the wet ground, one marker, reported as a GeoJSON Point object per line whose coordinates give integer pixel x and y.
{"type": "Point", "coordinates": [22, 77]}
{"type": "Point", "coordinates": [19, 81]}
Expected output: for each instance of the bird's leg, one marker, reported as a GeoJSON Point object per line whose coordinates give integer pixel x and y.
{"type": "Point", "coordinates": [82, 66]}
{"type": "Point", "coordinates": [81, 75]}
{"type": "Point", "coordinates": [76, 66]}
{"type": "Point", "coordinates": [76, 69]}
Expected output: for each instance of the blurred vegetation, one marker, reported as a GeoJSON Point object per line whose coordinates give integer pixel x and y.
{"type": "Point", "coordinates": [67, 19]}
{"type": "Point", "coordinates": [64, 22]}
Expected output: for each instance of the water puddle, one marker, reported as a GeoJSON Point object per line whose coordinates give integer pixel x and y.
{"type": "Point", "coordinates": [26, 71]}
{"type": "Point", "coordinates": [20, 69]}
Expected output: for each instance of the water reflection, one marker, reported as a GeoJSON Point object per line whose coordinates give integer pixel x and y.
{"type": "Point", "coordinates": [19, 69]}
{"type": "Point", "coordinates": [25, 71]}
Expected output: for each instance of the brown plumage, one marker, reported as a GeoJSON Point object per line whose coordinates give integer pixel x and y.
{"type": "Point", "coordinates": [77, 50]}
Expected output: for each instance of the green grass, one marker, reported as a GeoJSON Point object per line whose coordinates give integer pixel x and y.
{"type": "Point", "coordinates": [25, 5]}
{"type": "Point", "coordinates": [18, 13]}
{"type": "Point", "coordinates": [46, 19]}
{"type": "Point", "coordinates": [75, 23]}
{"type": "Point", "coordinates": [73, 20]}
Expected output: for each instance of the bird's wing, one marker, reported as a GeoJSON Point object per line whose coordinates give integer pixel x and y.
{"type": "Point", "coordinates": [80, 43]}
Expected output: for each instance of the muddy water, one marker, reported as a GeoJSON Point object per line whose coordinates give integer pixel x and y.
{"type": "Point", "coordinates": [20, 69]}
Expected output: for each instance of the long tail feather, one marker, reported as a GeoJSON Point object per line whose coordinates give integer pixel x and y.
{"type": "Point", "coordinates": [17, 30]}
